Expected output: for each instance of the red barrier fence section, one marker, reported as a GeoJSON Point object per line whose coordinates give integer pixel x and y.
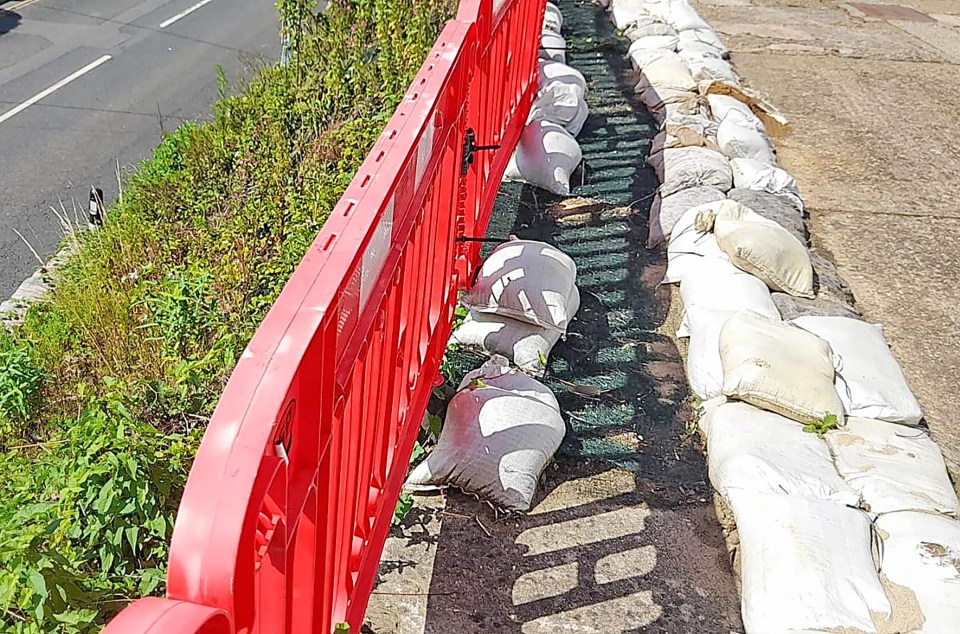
{"type": "Point", "coordinates": [293, 489]}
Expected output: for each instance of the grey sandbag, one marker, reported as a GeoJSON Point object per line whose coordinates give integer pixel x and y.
{"type": "Point", "coordinates": [827, 282]}
{"type": "Point", "coordinates": [791, 307]}
{"type": "Point", "coordinates": [772, 207]}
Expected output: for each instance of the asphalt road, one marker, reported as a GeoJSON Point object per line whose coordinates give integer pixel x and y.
{"type": "Point", "coordinates": [88, 84]}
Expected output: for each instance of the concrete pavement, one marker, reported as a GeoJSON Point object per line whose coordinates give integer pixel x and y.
{"type": "Point", "coordinates": [872, 92]}
{"type": "Point", "coordinates": [85, 86]}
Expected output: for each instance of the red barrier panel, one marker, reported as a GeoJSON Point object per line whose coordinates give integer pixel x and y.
{"type": "Point", "coordinates": [293, 489]}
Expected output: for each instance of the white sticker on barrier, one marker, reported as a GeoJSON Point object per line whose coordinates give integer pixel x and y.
{"type": "Point", "coordinates": [424, 151]}
{"type": "Point", "coordinates": [376, 254]}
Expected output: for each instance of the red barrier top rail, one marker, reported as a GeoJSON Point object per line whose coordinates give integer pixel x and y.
{"type": "Point", "coordinates": [290, 498]}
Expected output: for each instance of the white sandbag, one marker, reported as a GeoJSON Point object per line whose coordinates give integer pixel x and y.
{"type": "Point", "coordinates": [545, 157]}
{"type": "Point", "coordinates": [753, 174]}
{"type": "Point", "coordinates": [561, 103]}
{"type": "Point", "coordinates": [756, 450]}
{"type": "Point", "coordinates": [921, 552]}
{"type": "Point", "coordinates": [683, 130]}
{"type": "Point", "coordinates": [737, 139]}
{"type": "Point", "coordinates": [658, 9]}
{"type": "Point", "coordinates": [553, 46]}
{"type": "Point", "coordinates": [712, 69]}
{"type": "Point", "coordinates": [648, 46]}
{"type": "Point", "coordinates": [779, 367]}
{"type": "Point", "coordinates": [667, 103]}
{"type": "Point", "coordinates": [722, 105]}
{"type": "Point", "coordinates": [501, 429]}
{"type": "Point", "coordinates": [655, 100]}
{"type": "Point", "coordinates": [685, 167]}
{"type": "Point", "coordinates": [683, 110]}
{"type": "Point", "coordinates": [680, 136]}
{"type": "Point", "coordinates": [760, 247]}
{"type": "Point", "coordinates": [693, 114]}
{"type": "Point", "coordinates": [895, 468]}
{"type": "Point", "coordinates": [805, 565]}
{"type": "Point", "coordinates": [640, 57]}
{"type": "Point", "coordinates": [647, 27]}
{"type": "Point", "coordinates": [666, 210]}
{"type": "Point", "coordinates": [712, 292]}
{"type": "Point", "coordinates": [870, 382]}
{"type": "Point", "coordinates": [552, 18]}
{"type": "Point", "coordinates": [702, 36]}
{"type": "Point", "coordinates": [666, 72]}
{"type": "Point", "coordinates": [687, 247]}
{"type": "Point", "coordinates": [623, 13]}
{"type": "Point", "coordinates": [551, 72]}
{"type": "Point", "coordinates": [698, 49]}
{"type": "Point", "coordinates": [722, 286]}
{"type": "Point", "coordinates": [683, 17]}
{"type": "Point", "coordinates": [529, 281]}
{"type": "Point", "coordinates": [704, 369]}
{"type": "Point", "coordinates": [525, 345]}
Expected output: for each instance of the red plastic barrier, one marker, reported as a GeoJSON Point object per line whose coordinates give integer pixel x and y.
{"type": "Point", "coordinates": [292, 492]}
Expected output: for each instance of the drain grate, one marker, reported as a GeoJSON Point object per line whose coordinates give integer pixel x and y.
{"type": "Point", "coordinates": [891, 12]}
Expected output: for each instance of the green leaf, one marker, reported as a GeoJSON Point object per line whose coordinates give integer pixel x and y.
{"type": "Point", "coordinates": [418, 451]}
{"type": "Point", "coordinates": [404, 504]}
{"type": "Point", "coordinates": [150, 580]}
{"type": "Point", "coordinates": [476, 384]}
{"type": "Point", "coordinates": [37, 583]}
{"type": "Point", "coordinates": [54, 525]}
{"type": "Point", "coordinates": [106, 559]}
{"type": "Point", "coordinates": [543, 359]}
{"type": "Point", "coordinates": [132, 534]}
{"type": "Point", "coordinates": [436, 424]}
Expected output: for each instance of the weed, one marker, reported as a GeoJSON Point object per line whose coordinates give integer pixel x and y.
{"type": "Point", "coordinates": [822, 426]}
{"type": "Point", "coordinates": [404, 506]}
{"type": "Point", "coordinates": [20, 383]}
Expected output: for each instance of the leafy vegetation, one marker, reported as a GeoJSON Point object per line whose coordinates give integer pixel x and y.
{"type": "Point", "coordinates": [107, 385]}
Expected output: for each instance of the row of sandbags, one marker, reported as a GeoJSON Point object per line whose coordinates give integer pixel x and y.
{"type": "Point", "coordinates": [548, 153]}
{"type": "Point", "coordinates": [850, 529]}
{"type": "Point", "coordinates": [503, 426]}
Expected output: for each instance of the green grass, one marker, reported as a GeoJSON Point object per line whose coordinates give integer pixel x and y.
{"type": "Point", "coordinates": [106, 387]}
